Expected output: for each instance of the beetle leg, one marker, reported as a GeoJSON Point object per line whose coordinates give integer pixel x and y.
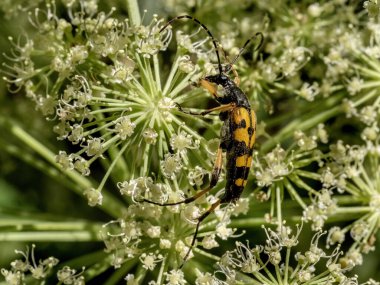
{"type": "Point", "coordinates": [221, 108]}
{"type": "Point", "coordinates": [217, 168]}
{"type": "Point", "coordinates": [214, 179]}
{"type": "Point", "coordinates": [237, 78]}
{"type": "Point", "coordinates": [210, 87]}
{"type": "Point", "coordinates": [200, 219]}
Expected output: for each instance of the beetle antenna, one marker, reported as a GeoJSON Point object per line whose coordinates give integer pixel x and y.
{"type": "Point", "coordinates": [229, 67]}
{"type": "Point", "coordinates": [214, 42]}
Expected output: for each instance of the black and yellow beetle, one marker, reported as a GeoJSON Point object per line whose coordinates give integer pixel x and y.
{"type": "Point", "coordinates": [237, 136]}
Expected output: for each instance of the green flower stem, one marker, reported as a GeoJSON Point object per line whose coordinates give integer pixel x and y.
{"type": "Point", "coordinates": [169, 80]}
{"type": "Point", "coordinates": [307, 174]}
{"type": "Point", "coordinates": [348, 214]}
{"type": "Point", "coordinates": [190, 130]}
{"type": "Point", "coordinates": [111, 142]}
{"type": "Point", "coordinates": [354, 190]}
{"type": "Point", "coordinates": [370, 187]}
{"type": "Point", "coordinates": [295, 271]}
{"type": "Point", "coordinates": [147, 160]}
{"type": "Point", "coordinates": [104, 264]}
{"type": "Point", "coordinates": [133, 12]}
{"type": "Point", "coordinates": [373, 225]}
{"type": "Point", "coordinates": [117, 102]}
{"type": "Point", "coordinates": [33, 223]}
{"type": "Point", "coordinates": [162, 147]}
{"type": "Point", "coordinates": [109, 110]}
{"type": "Point", "coordinates": [304, 162]}
{"type": "Point", "coordinates": [205, 254]}
{"type": "Point", "coordinates": [374, 64]}
{"type": "Point", "coordinates": [374, 93]}
{"type": "Point", "coordinates": [248, 222]}
{"type": "Point", "coordinates": [278, 274]}
{"type": "Point", "coordinates": [156, 67]}
{"type": "Point", "coordinates": [302, 125]}
{"type": "Point", "coordinates": [209, 225]}
{"type": "Point", "coordinates": [262, 280]}
{"type": "Point", "coordinates": [140, 272]}
{"type": "Point", "coordinates": [111, 148]}
{"type": "Point", "coordinates": [140, 88]}
{"type": "Point", "coordinates": [119, 274]}
{"type": "Point", "coordinates": [110, 205]}
{"type": "Point", "coordinates": [111, 167]}
{"type": "Point", "coordinates": [152, 84]}
{"type": "Point", "coordinates": [39, 164]}
{"type": "Point", "coordinates": [348, 200]}
{"type": "Point", "coordinates": [353, 210]}
{"type": "Point", "coordinates": [300, 183]}
{"type": "Point", "coordinates": [269, 273]}
{"type": "Point", "coordinates": [86, 260]}
{"type": "Point", "coordinates": [56, 236]}
{"type": "Point", "coordinates": [304, 122]}
{"type": "Point", "coordinates": [163, 268]}
{"type": "Point", "coordinates": [245, 279]}
{"type": "Point", "coordinates": [370, 84]}
{"type": "Point", "coordinates": [320, 277]}
{"type": "Point", "coordinates": [279, 195]}
{"type": "Point", "coordinates": [364, 186]}
{"type": "Point", "coordinates": [279, 119]}
{"type": "Point", "coordinates": [293, 193]}
{"type": "Point", "coordinates": [286, 269]}
{"type": "Point", "coordinates": [271, 190]}
{"type": "Point", "coordinates": [95, 130]}
{"type": "Point", "coordinates": [182, 85]}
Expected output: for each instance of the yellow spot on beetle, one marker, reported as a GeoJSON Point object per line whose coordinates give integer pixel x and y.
{"type": "Point", "coordinates": [244, 161]}
{"type": "Point", "coordinates": [241, 135]}
{"type": "Point", "coordinates": [240, 182]}
{"type": "Point", "coordinates": [241, 114]}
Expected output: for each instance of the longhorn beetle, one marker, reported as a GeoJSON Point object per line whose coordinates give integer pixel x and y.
{"type": "Point", "coordinates": [237, 136]}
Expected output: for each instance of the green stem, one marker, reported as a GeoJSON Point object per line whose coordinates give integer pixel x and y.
{"type": "Point", "coordinates": [279, 193]}
{"type": "Point", "coordinates": [278, 274]}
{"type": "Point", "coordinates": [293, 193]}
{"type": "Point", "coordinates": [348, 200]}
{"type": "Point", "coordinates": [256, 222]}
{"type": "Point", "coordinates": [353, 210]}
{"type": "Point", "coordinates": [32, 224]}
{"type": "Point", "coordinates": [56, 236]}
{"type": "Point", "coordinates": [368, 96]}
{"type": "Point", "coordinates": [133, 12]}
{"type": "Point", "coordinates": [110, 204]}
{"type": "Point", "coordinates": [301, 124]}
{"type": "Point", "coordinates": [286, 270]}
{"type": "Point", "coordinates": [111, 167]}
{"type": "Point", "coordinates": [169, 80]}
{"type": "Point", "coordinates": [157, 77]}
{"type": "Point", "coordinates": [119, 274]}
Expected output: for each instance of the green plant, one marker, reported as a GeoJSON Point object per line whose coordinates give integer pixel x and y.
{"type": "Point", "coordinates": [108, 87]}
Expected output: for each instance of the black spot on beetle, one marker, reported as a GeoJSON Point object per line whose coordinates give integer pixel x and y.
{"type": "Point", "coordinates": [251, 131]}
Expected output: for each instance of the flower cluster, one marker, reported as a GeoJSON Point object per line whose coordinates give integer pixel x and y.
{"type": "Point", "coordinates": [23, 270]}
{"type": "Point", "coordinates": [277, 263]}
{"type": "Point", "coordinates": [103, 89]}
{"type": "Point", "coordinates": [153, 233]}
